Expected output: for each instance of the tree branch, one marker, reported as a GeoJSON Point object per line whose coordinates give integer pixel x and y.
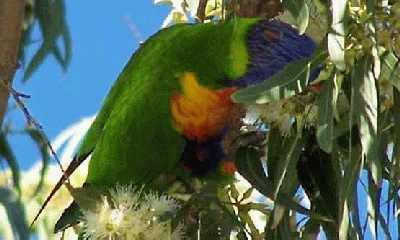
{"type": "Point", "coordinates": [201, 10]}
{"type": "Point", "coordinates": [11, 20]}
{"type": "Point", "coordinates": [255, 8]}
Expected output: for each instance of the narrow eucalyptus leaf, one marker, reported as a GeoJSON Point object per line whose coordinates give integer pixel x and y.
{"type": "Point", "coordinates": [397, 209]}
{"type": "Point", "coordinates": [366, 99]}
{"type": "Point", "coordinates": [395, 158]}
{"type": "Point", "coordinates": [310, 230]}
{"type": "Point", "coordinates": [336, 39]}
{"type": "Point", "coordinates": [248, 193]}
{"type": "Point", "coordinates": [50, 16]}
{"type": "Point", "coordinates": [355, 217]}
{"type": "Point", "coordinates": [287, 165]}
{"type": "Point", "coordinates": [15, 213]}
{"type": "Point", "coordinates": [88, 196]}
{"type": "Point", "coordinates": [390, 71]}
{"type": "Point", "coordinates": [66, 36]}
{"type": "Point", "coordinates": [36, 61]}
{"type": "Point", "coordinates": [325, 116]}
{"type": "Point", "coordinates": [40, 142]}
{"type": "Point", "coordinates": [69, 217]}
{"type": "Point", "coordinates": [249, 166]}
{"type": "Point", "coordinates": [371, 6]}
{"type": "Point", "coordinates": [385, 227]}
{"type": "Point", "coordinates": [372, 207]}
{"type": "Point", "coordinates": [7, 153]}
{"type": "Point", "coordinates": [58, 56]}
{"type": "Point", "coordinates": [234, 192]}
{"type": "Point", "coordinates": [299, 11]}
{"type": "Point", "coordinates": [344, 223]}
{"type": "Point", "coordinates": [278, 214]}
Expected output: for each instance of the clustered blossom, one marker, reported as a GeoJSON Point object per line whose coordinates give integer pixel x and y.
{"type": "Point", "coordinates": [131, 214]}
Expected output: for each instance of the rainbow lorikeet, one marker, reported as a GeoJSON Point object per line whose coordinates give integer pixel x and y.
{"type": "Point", "coordinates": [171, 106]}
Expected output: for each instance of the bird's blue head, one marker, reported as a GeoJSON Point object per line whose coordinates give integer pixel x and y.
{"type": "Point", "coordinates": [273, 44]}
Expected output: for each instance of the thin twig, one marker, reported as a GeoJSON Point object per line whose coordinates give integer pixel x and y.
{"type": "Point", "coordinates": [33, 123]}
{"type": "Point", "coordinates": [134, 29]}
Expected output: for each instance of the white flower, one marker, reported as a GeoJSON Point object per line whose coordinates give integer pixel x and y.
{"type": "Point", "coordinates": [125, 197]}
{"type": "Point", "coordinates": [133, 215]}
{"type": "Point", "coordinates": [160, 204]}
{"type": "Point", "coordinates": [138, 222]}
{"type": "Point", "coordinates": [105, 223]}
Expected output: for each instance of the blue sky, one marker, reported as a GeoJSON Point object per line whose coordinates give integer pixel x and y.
{"type": "Point", "coordinates": [103, 41]}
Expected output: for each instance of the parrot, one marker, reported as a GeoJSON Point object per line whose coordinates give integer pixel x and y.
{"type": "Point", "coordinates": [171, 106]}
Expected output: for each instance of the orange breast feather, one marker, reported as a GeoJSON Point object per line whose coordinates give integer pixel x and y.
{"type": "Point", "coordinates": [200, 113]}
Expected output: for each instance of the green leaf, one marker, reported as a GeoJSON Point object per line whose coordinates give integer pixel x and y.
{"type": "Point", "coordinates": [66, 37]}
{"type": "Point", "coordinates": [325, 116]}
{"type": "Point", "coordinates": [311, 230]}
{"type": "Point", "coordinates": [249, 166]}
{"type": "Point", "coordinates": [69, 217]}
{"type": "Point", "coordinates": [354, 162]}
{"type": "Point", "coordinates": [353, 165]}
{"type": "Point", "coordinates": [248, 193]}
{"type": "Point", "coordinates": [214, 221]}
{"type": "Point", "coordinates": [282, 170]}
{"type": "Point", "coordinates": [214, 213]}
{"type": "Point", "coordinates": [395, 158]}
{"type": "Point", "coordinates": [299, 11]}
{"type": "Point", "coordinates": [51, 19]}
{"type": "Point", "coordinates": [291, 80]}
{"type": "Point", "coordinates": [286, 168]}
{"type": "Point", "coordinates": [234, 192]}
{"type": "Point", "coordinates": [63, 32]}
{"type": "Point", "coordinates": [397, 201]}
{"type": "Point", "coordinates": [8, 155]}
{"type": "Point", "coordinates": [373, 206]}
{"type": "Point", "coordinates": [41, 143]}
{"type": "Point", "coordinates": [36, 61]}
{"type": "Point", "coordinates": [390, 69]}
{"type": "Point", "coordinates": [284, 230]}
{"type": "Point", "coordinates": [385, 226]}
{"type": "Point", "coordinates": [366, 97]}
{"type": "Point", "coordinates": [355, 216]}
{"type": "Point", "coordinates": [336, 39]}
{"type": "Point", "coordinates": [344, 223]}
{"type": "Point", "coordinates": [15, 212]}
{"type": "Point", "coordinates": [371, 6]}
{"type": "Point", "coordinates": [88, 196]}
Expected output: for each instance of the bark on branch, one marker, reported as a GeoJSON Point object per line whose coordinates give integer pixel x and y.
{"type": "Point", "coordinates": [201, 10]}
{"type": "Point", "coordinates": [11, 19]}
{"type": "Point", "coordinates": [255, 8]}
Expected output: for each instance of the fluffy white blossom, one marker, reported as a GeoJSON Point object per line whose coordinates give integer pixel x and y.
{"type": "Point", "coordinates": [131, 214]}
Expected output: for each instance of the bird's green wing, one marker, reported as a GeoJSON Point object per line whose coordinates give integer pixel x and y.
{"type": "Point", "coordinates": [135, 140]}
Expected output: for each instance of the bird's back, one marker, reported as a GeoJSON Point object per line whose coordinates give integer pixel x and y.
{"type": "Point", "coordinates": [133, 138]}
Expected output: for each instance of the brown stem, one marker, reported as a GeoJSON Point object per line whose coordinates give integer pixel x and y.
{"type": "Point", "coordinates": [201, 10]}
{"type": "Point", "coordinates": [255, 8]}
{"type": "Point", "coordinates": [11, 19]}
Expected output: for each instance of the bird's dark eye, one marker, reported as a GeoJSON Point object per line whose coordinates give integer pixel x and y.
{"type": "Point", "coordinates": [272, 35]}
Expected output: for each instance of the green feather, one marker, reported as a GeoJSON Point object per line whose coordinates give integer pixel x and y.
{"type": "Point", "coordinates": [133, 139]}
